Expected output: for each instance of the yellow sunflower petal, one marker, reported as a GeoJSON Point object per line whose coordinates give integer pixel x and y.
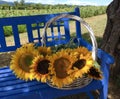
{"type": "Point", "coordinates": [21, 61]}
{"type": "Point", "coordinates": [83, 63]}
{"type": "Point", "coordinates": [39, 68]}
{"type": "Point", "coordinates": [44, 50]}
{"type": "Point", "coordinates": [61, 63]}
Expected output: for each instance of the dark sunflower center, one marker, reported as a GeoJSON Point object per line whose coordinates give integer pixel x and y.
{"type": "Point", "coordinates": [25, 61]}
{"type": "Point", "coordinates": [61, 65]}
{"type": "Point", "coordinates": [94, 72]}
{"type": "Point", "coordinates": [42, 67]}
{"type": "Point", "coordinates": [79, 64]}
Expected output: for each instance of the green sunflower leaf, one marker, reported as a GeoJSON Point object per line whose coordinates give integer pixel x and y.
{"type": "Point", "coordinates": [96, 64]}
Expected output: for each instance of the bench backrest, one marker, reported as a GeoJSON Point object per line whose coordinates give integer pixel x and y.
{"type": "Point", "coordinates": [37, 23]}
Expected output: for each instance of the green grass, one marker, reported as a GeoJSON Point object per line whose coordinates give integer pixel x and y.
{"type": "Point", "coordinates": [97, 23]}
{"type": "Point", "coordinates": [86, 11]}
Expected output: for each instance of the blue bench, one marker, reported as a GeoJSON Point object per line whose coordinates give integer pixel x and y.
{"type": "Point", "coordinates": [14, 88]}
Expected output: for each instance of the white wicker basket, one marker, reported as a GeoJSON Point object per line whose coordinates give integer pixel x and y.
{"type": "Point", "coordinates": [85, 80]}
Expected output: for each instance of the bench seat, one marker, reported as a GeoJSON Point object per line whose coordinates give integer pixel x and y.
{"type": "Point", "coordinates": [37, 90]}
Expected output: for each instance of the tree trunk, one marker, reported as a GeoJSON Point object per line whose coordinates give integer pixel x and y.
{"type": "Point", "coordinates": [111, 37]}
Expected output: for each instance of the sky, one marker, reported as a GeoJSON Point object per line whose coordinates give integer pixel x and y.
{"type": "Point", "coordinates": [74, 2]}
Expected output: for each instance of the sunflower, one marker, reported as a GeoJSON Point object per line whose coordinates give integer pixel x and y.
{"type": "Point", "coordinates": [43, 50]}
{"type": "Point", "coordinates": [68, 50]}
{"type": "Point", "coordinates": [95, 73]}
{"type": "Point", "coordinates": [80, 50]}
{"type": "Point", "coordinates": [39, 68]}
{"type": "Point", "coordinates": [83, 63]}
{"type": "Point", "coordinates": [28, 45]}
{"type": "Point", "coordinates": [60, 65]}
{"type": "Point", "coordinates": [21, 61]}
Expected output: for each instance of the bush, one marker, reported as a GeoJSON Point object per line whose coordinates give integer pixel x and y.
{"type": "Point", "coordinates": [21, 28]}
{"type": "Point", "coordinates": [8, 30]}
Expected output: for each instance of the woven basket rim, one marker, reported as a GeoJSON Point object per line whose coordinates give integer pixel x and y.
{"type": "Point", "coordinates": [75, 85]}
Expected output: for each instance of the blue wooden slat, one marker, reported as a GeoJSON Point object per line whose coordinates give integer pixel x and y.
{"type": "Point", "coordinates": [8, 48]}
{"type": "Point", "coordinates": [52, 33]}
{"type": "Point", "coordinates": [16, 86]}
{"type": "Point", "coordinates": [31, 19]}
{"type": "Point", "coordinates": [78, 26]}
{"type": "Point", "coordinates": [5, 70]}
{"type": "Point", "coordinates": [30, 34]}
{"type": "Point", "coordinates": [31, 95]}
{"type": "Point", "coordinates": [7, 74]}
{"type": "Point", "coordinates": [8, 78]}
{"type": "Point", "coordinates": [34, 28]}
{"type": "Point", "coordinates": [37, 38]}
{"type": "Point", "coordinates": [2, 39]}
{"type": "Point", "coordinates": [67, 30]}
{"type": "Point", "coordinates": [16, 36]}
{"type": "Point", "coordinates": [11, 85]}
{"type": "Point", "coordinates": [23, 90]}
{"type": "Point", "coordinates": [13, 81]}
{"type": "Point", "coordinates": [59, 34]}
{"type": "Point", "coordinates": [38, 33]}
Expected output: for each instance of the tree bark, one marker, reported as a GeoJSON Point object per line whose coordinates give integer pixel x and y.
{"type": "Point", "coordinates": [111, 37]}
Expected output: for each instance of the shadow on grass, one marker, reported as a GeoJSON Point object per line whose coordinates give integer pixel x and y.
{"type": "Point", "coordinates": [88, 39]}
{"type": "Point", "coordinates": [99, 39]}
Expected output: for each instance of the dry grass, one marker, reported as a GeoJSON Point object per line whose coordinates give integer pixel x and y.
{"type": "Point", "coordinates": [97, 23]}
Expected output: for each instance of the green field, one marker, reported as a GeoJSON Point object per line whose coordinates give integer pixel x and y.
{"type": "Point", "coordinates": [86, 11]}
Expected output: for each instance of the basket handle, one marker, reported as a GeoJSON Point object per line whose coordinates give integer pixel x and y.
{"type": "Point", "coordinates": [93, 39]}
